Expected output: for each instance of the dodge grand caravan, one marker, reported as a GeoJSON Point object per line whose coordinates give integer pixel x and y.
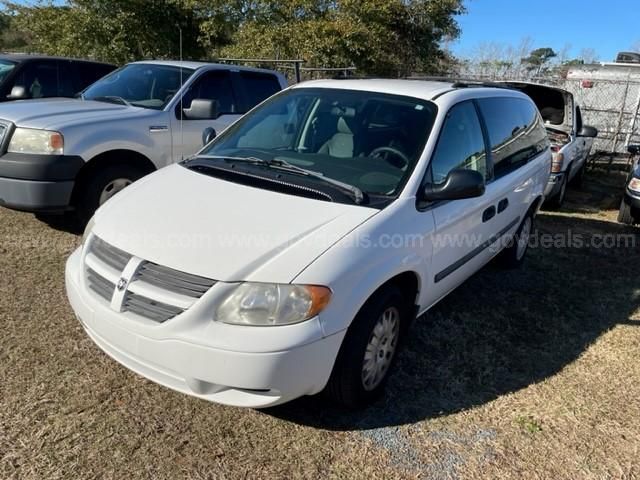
{"type": "Point", "coordinates": [291, 254]}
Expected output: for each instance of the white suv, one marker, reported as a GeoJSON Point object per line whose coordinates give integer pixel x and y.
{"type": "Point", "coordinates": [291, 254]}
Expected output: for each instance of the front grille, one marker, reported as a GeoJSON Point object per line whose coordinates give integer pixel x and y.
{"type": "Point", "coordinates": [154, 292]}
{"type": "Point", "coordinates": [148, 308]}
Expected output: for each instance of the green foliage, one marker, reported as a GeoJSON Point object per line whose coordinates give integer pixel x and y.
{"type": "Point", "coordinates": [539, 57]}
{"type": "Point", "coordinates": [392, 37]}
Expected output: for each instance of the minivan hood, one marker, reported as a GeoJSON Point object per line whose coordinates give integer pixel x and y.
{"type": "Point", "coordinates": [221, 230]}
{"type": "Point", "coordinates": [56, 113]}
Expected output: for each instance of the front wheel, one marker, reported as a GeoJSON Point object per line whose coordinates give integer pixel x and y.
{"type": "Point", "coordinates": [102, 185]}
{"type": "Point", "coordinates": [369, 349]}
{"type": "Point", "coordinates": [625, 215]}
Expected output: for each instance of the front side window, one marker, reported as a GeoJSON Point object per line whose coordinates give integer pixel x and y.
{"type": "Point", "coordinates": [139, 84]}
{"type": "Point", "coordinates": [516, 132]}
{"type": "Point", "coordinates": [214, 85]}
{"type": "Point", "coordinates": [461, 144]}
{"type": "Point", "coordinates": [365, 139]}
{"type": "Point", "coordinates": [39, 79]}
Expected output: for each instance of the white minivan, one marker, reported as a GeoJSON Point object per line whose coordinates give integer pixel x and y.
{"type": "Point", "coordinates": [291, 254]}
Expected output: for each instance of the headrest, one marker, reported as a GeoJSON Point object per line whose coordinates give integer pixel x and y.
{"type": "Point", "coordinates": [348, 112]}
{"type": "Point", "coordinates": [343, 127]}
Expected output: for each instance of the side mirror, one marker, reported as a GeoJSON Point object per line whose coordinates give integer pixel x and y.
{"type": "Point", "coordinates": [460, 183]}
{"type": "Point", "coordinates": [633, 149]}
{"type": "Point", "coordinates": [18, 93]}
{"type": "Point", "coordinates": [202, 109]}
{"type": "Point", "coordinates": [587, 131]}
{"type": "Point", "coordinates": [208, 135]}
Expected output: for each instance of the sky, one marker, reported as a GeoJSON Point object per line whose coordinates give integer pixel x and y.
{"type": "Point", "coordinates": [606, 26]}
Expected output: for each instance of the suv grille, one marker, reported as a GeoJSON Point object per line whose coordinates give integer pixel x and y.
{"type": "Point", "coordinates": [154, 292]}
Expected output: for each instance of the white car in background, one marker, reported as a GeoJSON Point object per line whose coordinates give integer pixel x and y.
{"type": "Point", "coordinates": [291, 254]}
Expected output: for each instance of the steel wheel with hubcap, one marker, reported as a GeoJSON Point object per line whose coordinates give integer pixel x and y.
{"type": "Point", "coordinates": [381, 348]}
{"type": "Point", "coordinates": [370, 348]}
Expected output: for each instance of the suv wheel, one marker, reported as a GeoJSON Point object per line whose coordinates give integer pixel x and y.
{"type": "Point", "coordinates": [369, 349]}
{"type": "Point", "coordinates": [513, 255]}
{"type": "Point", "coordinates": [102, 185]}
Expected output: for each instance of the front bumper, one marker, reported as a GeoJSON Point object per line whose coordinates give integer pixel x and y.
{"type": "Point", "coordinates": [553, 186]}
{"type": "Point", "coordinates": [37, 182]}
{"type": "Point", "coordinates": [232, 376]}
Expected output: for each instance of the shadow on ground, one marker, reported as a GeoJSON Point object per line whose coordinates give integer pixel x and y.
{"type": "Point", "coordinates": [502, 331]}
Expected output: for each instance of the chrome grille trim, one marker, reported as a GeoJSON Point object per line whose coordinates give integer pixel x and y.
{"type": "Point", "coordinates": [148, 308]}
{"type": "Point", "coordinates": [100, 285]}
{"type": "Point", "coordinates": [175, 281]}
{"type": "Point", "coordinates": [112, 256]}
{"type": "Point", "coordinates": [153, 292]}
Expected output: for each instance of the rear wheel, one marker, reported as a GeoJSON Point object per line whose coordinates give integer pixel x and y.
{"type": "Point", "coordinates": [513, 255]}
{"type": "Point", "coordinates": [102, 185]}
{"type": "Point", "coordinates": [578, 178]}
{"type": "Point", "coordinates": [369, 349]}
{"type": "Point", "coordinates": [625, 215]}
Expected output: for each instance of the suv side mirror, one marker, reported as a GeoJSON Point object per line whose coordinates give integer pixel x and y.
{"type": "Point", "coordinates": [587, 131]}
{"type": "Point", "coordinates": [202, 109]}
{"type": "Point", "coordinates": [208, 135]}
{"type": "Point", "coordinates": [633, 149]}
{"type": "Point", "coordinates": [460, 183]}
{"type": "Point", "coordinates": [18, 93]}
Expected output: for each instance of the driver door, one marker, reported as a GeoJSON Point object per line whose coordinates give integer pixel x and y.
{"type": "Point", "coordinates": [186, 133]}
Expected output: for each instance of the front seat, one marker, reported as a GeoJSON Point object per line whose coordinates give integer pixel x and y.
{"type": "Point", "coordinates": [341, 144]}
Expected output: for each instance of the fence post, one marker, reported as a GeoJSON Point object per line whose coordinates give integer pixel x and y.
{"type": "Point", "coordinates": [619, 125]}
{"type": "Point", "coordinates": [298, 72]}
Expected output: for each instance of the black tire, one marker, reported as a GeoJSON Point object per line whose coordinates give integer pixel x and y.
{"type": "Point", "coordinates": [346, 384]}
{"type": "Point", "coordinates": [89, 196]}
{"type": "Point", "coordinates": [557, 200]}
{"type": "Point", "coordinates": [625, 214]}
{"type": "Point", "coordinates": [578, 178]}
{"type": "Point", "coordinates": [513, 256]}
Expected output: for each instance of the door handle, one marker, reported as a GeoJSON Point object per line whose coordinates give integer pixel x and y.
{"type": "Point", "coordinates": [488, 214]}
{"type": "Point", "coordinates": [503, 204]}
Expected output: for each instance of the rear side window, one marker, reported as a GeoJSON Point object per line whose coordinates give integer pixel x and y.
{"type": "Point", "coordinates": [516, 132]}
{"type": "Point", "coordinates": [258, 87]}
{"type": "Point", "coordinates": [460, 145]}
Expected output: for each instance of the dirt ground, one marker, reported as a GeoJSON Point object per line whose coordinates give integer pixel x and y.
{"type": "Point", "coordinates": [525, 374]}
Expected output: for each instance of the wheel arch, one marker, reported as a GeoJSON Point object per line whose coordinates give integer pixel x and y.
{"type": "Point", "coordinates": [110, 157]}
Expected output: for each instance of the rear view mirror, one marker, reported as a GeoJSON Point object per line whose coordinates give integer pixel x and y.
{"type": "Point", "coordinates": [460, 183]}
{"type": "Point", "coordinates": [208, 135]}
{"type": "Point", "coordinates": [18, 93]}
{"type": "Point", "coordinates": [587, 131]}
{"type": "Point", "coordinates": [633, 149]}
{"type": "Point", "coordinates": [202, 109]}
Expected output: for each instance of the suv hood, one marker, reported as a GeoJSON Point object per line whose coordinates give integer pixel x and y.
{"type": "Point", "coordinates": [221, 230]}
{"type": "Point", "coordinates": [56, 113]}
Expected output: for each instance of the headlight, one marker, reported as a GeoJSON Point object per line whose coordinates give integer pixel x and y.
{"type": "Point", "coordinates": [634, 185]}
{"type": "Point", "coordinates": [29, 140]}
{"type": "Point", "coordinates": [87, 231]}
{"type": "Point", "coordinates": [263, 304]}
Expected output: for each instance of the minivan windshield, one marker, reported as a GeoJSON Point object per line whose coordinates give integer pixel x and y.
{"type": "Point", "coordinates": [139, 84]}
{"type": "Point", "coordinates": [6, 67]}
{"type": "Point", "coordinates": [367, 140]}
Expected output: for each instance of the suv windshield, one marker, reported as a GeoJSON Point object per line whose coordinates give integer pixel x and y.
{"type": "Point", "coordinates": [368, 140]}
{"type": "Point", "coordinates": [5, 69]}
{"type": "Point", "coordinates": [139, 84]}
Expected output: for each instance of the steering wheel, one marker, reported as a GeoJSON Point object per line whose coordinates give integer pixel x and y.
{"type": "Point", "coordinates": [400, 161]}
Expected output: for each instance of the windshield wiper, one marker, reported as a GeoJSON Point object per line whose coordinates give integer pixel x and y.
{"type": "Point", "coordinates": [112, 99]}
{"type": "Point", "coordinates": [355, 192]}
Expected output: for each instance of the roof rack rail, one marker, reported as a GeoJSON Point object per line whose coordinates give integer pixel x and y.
{"type": "Point", "coordinates": [460, 82]}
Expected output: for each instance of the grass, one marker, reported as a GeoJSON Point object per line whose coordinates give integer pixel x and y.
{"type": "Point", "coordinates": [523, 374]}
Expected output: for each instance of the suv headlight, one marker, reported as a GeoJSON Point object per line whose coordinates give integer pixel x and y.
{"type": "Point", "coordinates": [265, 304]}
{"type": "Point", "coordinates": [634, 185]}
{"type": "Point", "coordinates": [30, 140]}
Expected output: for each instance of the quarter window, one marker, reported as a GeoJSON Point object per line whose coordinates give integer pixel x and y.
{"type": "Point", "coordinates": [461, 144]}
{"type": "Point", "coordinates": [516, 132]}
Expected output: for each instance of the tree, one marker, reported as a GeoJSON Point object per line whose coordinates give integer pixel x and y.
{"type": "Point", "coordinates": [538, 58]}
{"type": "Point", "coordinates": [111, 30]}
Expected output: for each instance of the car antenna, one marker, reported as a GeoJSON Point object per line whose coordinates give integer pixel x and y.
{"type": "Point", "coordinates": [181, 97]}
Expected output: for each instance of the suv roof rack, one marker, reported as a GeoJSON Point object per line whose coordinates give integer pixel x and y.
{"type": "Point", "coordinates": [455, 82]}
